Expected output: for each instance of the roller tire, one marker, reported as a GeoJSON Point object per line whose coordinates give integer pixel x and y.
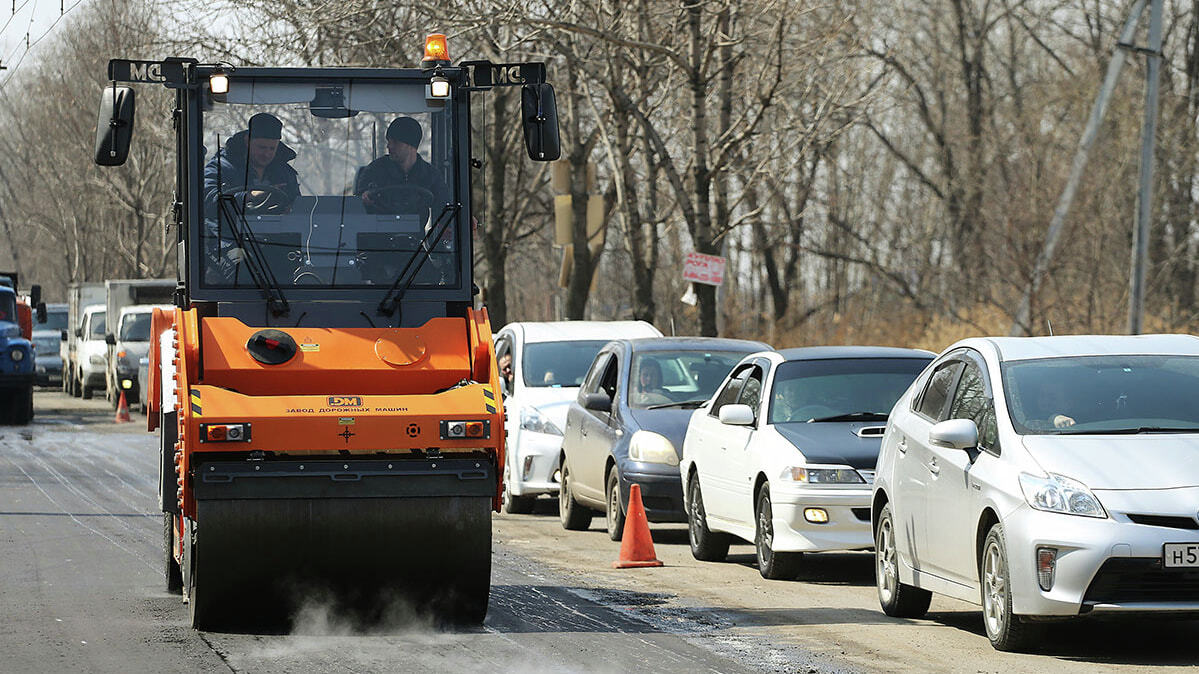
{"type": "Point", "coordinates": [171, 571]}
{"type": "Point", "coordinates": [706, 545]}
{"type": "Point", "coordinates": [897, 599]}
{"type": "Point", "coordinates": [573, 515]}
{"type": "Point", "coordinates": [772, 565]}
{"type": "Point", "coordinates": [614, 513]}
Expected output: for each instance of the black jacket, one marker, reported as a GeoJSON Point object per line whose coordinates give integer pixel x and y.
{"type": "Point", "coordinates": [237, 178]}
{"type": "Point", "coordinates": [383, 172]}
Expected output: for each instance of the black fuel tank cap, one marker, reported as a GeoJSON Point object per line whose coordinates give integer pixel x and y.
{"type": "Point", "coordinates": [271, 347]}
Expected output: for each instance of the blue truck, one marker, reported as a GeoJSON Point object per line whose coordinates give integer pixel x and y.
{"type": "Point", "coordinates": [16, 350]}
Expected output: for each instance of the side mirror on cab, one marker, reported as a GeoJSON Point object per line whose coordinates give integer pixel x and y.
{"type": "Point", "coordinates": [737, 415]}
{"type": "Point", "coordinates": [539, 116]}
{"type": "Point", "coordinates": [114, 125]}
{"type": "Point", "coordinates": [63, 335]}
{"type": "Point", "coordinates": [35, 298]}
{"type": "Point", "coordinates": [954, 434]}
{"type": "Point", "coordinates": [597, 402]}
{"type": "Point", "coordinates": [110, 339]}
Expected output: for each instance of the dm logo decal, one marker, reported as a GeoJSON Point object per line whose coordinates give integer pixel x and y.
{"type": "Point", "coordinates": [345, 401]}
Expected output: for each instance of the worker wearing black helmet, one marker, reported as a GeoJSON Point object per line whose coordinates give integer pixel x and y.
{"type": "Point", "coordinates": [401, 181]}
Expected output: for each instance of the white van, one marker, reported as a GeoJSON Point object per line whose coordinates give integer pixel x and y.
{"type": "Point", "coordinates": [549, 361]}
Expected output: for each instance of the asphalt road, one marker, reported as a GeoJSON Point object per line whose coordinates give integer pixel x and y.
{"type": "Point", "coordinates": [81, 590]}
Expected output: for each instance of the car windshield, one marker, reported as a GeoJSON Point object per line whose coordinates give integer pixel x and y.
{"type": "Point", "coordinates": [1102, 394]}
{"type": "Point", "coordinates": [8, 308]}
{"type": "Point", "coordinates": [135, 327]}
{"type": "Point", "coordinates": [55, 320]}
{"type": "Point", "coordinates": [559, 363]}
{"type": "Point", "coordinates": [337, 183]}
{"type": "Point", "coordinates": [664, 377]}
{"type": "Point", "coordinates": [97, 331]}
{"type": "Point", "coordinates": [46, 345]}
{"type": "Point", "coordinates": [840, 389]}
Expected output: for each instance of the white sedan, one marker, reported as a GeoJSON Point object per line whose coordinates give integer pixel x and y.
{"type": "Point", "coordinates": [783, 454]}
{"type": "Point", "coordinates": [1044, 478]}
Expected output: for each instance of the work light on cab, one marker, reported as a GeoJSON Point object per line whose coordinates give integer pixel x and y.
{"type": "Point", "coordinates": [219, 83]}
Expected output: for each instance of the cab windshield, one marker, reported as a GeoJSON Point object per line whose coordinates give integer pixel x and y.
{"type": "Point", "coordinates": [8, 308]}
{"type": "Point", "coordinates": [135, 327]}
{"type": "Point", "coordinates": [1103, 394]}
{"type": "Point", "coordinates": [335, 183]}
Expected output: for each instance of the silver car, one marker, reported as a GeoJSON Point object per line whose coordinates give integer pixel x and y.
{"type": "Point", "coordinates": [1044, 478]}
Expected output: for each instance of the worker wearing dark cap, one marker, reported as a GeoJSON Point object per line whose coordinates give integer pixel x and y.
{"type": "Point", "coordinates": [382, 183]}
{"type": "Point", "coordinates": [253, 167]}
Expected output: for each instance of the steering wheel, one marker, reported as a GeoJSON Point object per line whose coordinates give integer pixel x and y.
{"type": "Point", "coordinates": [274, 200]}
{"type": "Point", "coordinates": [400, 199]}
{"type": "Point", "coordinates": [812, 412]}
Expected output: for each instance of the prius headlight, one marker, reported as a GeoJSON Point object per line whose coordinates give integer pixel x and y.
{"type": "Point", "coordinates": [649, 447]}
{"type": "Point", "coordinates": [831, 475]}
{"type": "Point", "coordinates": [531, 419]}
{"type": "Point", "coordinates": [1060, 494]}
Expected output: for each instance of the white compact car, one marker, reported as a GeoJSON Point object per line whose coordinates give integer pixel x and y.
{"type": "Point", "coordinates": [91, 350]}
{"type": "Point", "coordinates": [783, 454]}
{"type": "Point", "coordinates": [1042, 478]}
{"type": "Point", "coordinates": [549, 361]}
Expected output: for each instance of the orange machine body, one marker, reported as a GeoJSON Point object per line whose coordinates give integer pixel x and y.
{"type": "Point", "coordinates": [353, 392]}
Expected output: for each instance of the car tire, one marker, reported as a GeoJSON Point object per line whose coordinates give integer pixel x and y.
{"type": "Point", "coordinates": [85, 391]}
{"type": "Point", "coordinates": [615, 512]}
{"type": "Point", "coordinates": [573, 515]}
{"type": "Point", "coordinates": [772, 565]}
{"type": "Point", "coordinates": [512, 504]}
{"type": "Point", "coordinates": [1007, 631]}
{"type": "Point", "coordinates": [706, 545]}
{"type": "Point", "coordinates": [897, 599]}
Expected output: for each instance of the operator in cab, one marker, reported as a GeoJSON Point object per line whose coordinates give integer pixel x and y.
{"type": "Point", "coordinates": [401, 181]}
{"type": "Point", "coordinates": [253, 167]}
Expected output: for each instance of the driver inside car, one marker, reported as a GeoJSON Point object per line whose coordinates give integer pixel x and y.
{"type": "Point", "coordinates": [401, 181]}
{"type": "Point", "coordinates": [254, 168]}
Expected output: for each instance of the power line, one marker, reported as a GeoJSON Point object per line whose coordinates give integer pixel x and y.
{"type": "Point", "coordinates": [31, 44]}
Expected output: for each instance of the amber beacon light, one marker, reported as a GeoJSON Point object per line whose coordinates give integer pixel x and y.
{"type": "Point", "coordinates": [436, 49]}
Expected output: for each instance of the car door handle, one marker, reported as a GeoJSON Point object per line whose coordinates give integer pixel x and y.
{"type": "Point", "coordinates": [933, 467]}
{"type": "Point", "coordinates": [902, 446]}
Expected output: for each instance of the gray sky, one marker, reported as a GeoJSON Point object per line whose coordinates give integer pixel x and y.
{"type": "Point", "coordinates": [33, 17]}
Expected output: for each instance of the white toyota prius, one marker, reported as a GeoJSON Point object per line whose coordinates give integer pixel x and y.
{"type": "Point", "coordinates": [1044, 478]}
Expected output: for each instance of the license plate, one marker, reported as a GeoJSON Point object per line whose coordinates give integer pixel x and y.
{"type": "Point", "coordinates": [1180, 555]}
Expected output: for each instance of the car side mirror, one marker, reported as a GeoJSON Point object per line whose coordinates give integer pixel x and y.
{"type": "Point", "coordinates": [78, 333]}
{"type": "Point", "coordinates": [597, 402]}
{"type": "Point", "coordinates": [539, 116]}
{"type": "Point", "coordinates": [63, 335]}
{"type": "Point", "coordinates": [954, 434]}
{"type": "Point", "coordinates": [114, 125]}
{"type": "Point", "coordinates": [41, 312]}
{"type": "Point", "coordinates": [110, 339]}
{"type": "Point", "coordinates": [35, 294]}
{"type": "Point", "coordinates": [737, 415]}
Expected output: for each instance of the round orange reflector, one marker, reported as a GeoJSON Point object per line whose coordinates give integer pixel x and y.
{"type": "Point", "coordinates": [474, 429]}
{"type": "Point", "coordinates": [216, 433]}
{"type": "Point", "coordinates": [436, 48]}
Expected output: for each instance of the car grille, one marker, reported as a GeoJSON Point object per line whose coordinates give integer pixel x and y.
{"type": "Point", "coordinates": [1171, 521]}
{"type": "Point", "coordinates": [862, 514]}
{"type": "Point", "coordinates": [1134, 579]}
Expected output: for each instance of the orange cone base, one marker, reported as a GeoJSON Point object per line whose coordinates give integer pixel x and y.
{"type": "Point", "coordinates": [636, 546]}
{"type": "Point", "coordinates": [636, 565]}
{"type": "Point", "coordinates": [122, 410]}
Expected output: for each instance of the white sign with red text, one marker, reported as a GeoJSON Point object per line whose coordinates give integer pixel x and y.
{"type": "Point", "coordinates": [707, 269]}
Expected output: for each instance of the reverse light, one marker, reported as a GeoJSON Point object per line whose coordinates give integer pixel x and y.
{"type": "Point", "coordinates": [224, 432]}
{"type": "Point", "coordinates": [436, 48]}
{"type": "Point", "coordinates": [465, 430]}
{"type": "Point", "coordinates": [649, 447]}
{"type": "Point", "coordinates": [1060, 494]}
{"type": "Point", "coordinates": [1046, 565]}
{"type": "Point", "coordinates": [219, 83]}
{"type": "Point", "coordinates": [816, 515]}
{"type": "Point", "coordinates": [818, 476]}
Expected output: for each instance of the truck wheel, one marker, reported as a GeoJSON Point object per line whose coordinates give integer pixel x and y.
{"type": "Point", "coordinates": [574, 516]}
{"type": "Point", "coordinates": [171, 570]}
{"type": "Point", "coordinates": [86, 391]}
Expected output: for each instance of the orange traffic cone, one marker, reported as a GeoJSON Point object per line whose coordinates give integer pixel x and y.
{"type": "Point", "coordinates": [122, 410]}
{"type": "Point", "coordinates": [636, 545]}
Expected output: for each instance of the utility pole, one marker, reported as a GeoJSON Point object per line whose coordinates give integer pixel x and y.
{"type": "Point", "coordinates": [1021, 325]}
{"type": "Point", "coordinates": [1140, 236]}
